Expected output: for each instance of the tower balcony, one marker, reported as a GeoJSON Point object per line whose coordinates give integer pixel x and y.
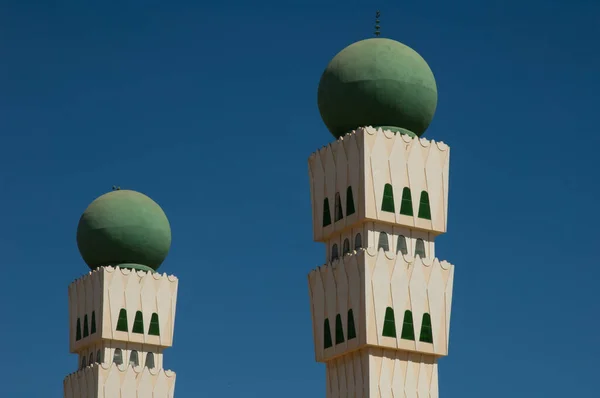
{"type": "Point", "coordinates": [377, 298]}
{"type": "Point", "coordinates": [122, 305]}
{"type": "Point", "coordinates": [379, 176]}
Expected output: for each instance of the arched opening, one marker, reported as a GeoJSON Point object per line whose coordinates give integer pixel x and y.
{"type": "Point", "coordinates": [83, 362]}
{"type": "Point", "coordinates": [78, 331]}
{"type": "Point", "coordinates": [387, 203]}
{"type": "Point", "coordinates": [149, 361]}
{"type": "Point", "coordinates": [339, 330]}
{"type": "Point", "coordinates": [339, 214]}
{"type": "Point", "coordinates": [334, 252]}
{"type": "Point", "coordinates": [420, 248]}
{"type": "Point", "coordinates": [326, 213]}
{"type": "Point", "coordinates": [346, 247]}
{"type": "Point", "coordinates": [424, 208]}
{"type": "Point", "coordinates": [122, 321]}
{"type": "Point", "coordinates": [383, 242]}
{"type": "Point", "coordinates": [134, 359]}
{"type": "Point", "coordinates": [406, 207]}
{"type": "Point", "coordinates": [351, 327]}
{"type": "Point", "coordinates": [357, 242]}
{"type": "Point", "coordinates": [389, 323]}
{"type": "Point", "coordinates": [408, 329]}
{"type": "Point", "coordinates": [426, 335]}
{"type": "Point", "coordinates": [93, 326]}
{"type": "Point", "coordinates": [99, 356]}
{"type": "Point", "coordinates": [349, 202]}
{"type": "Point", "coordinates": [118, 356]}
{"type": "Point", "coordinates": [91, 361]}
{"type": "Point", "coordinates": [327, 335]}
{"type": "Point", "coordinates": [154, 329]}
{"type": "Point", "coordinates": [401, 245]}
{"type": "Point", "coordinates": [138, 323]}
{"type": "Point", "coordinates": [86, 331]}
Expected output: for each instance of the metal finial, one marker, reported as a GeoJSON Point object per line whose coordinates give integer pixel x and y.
{"type": "Point", "coordinates": [377, 27]}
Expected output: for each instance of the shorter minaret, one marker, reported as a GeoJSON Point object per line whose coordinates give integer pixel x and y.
{"type": "Point", "coordinates": [122, 313]}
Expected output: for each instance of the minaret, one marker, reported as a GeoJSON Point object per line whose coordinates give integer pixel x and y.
{"type": "Point", "coordinates": [122, 313]}
{"type": "Point", "coordinates": [381, 302]}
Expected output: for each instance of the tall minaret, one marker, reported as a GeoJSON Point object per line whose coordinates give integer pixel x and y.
{"type": "Point", "coordinates": [381, 302]}
{"type": "Point", "coordinates": [122, 313]}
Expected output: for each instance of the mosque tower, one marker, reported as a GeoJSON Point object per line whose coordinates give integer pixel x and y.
{"type": "Point", "coordinates": [381, 303]}
{"type": "Point", "coordinates": [122, 313]}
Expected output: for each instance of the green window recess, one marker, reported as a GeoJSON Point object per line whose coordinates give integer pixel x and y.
{"type": "Point", "coordinates": [154, 329]}
{"type": "Point", "coordinates": [93, 326]}
{"type": "Point", "coordinates": [383, 242]}
{"type": "Point", "coordinates": [389, 323]}
{"type": "Point", "coordinates": [420, 248]}
{"type": "Point", "coordinates": [339, 330]}
{"type": "Point", "coordinates": [78, 332]}
{"type": "Point", "coordinates": [426, 335]}
{"type": "Point", "coordinates": [349, 202]}
{"type": "Point", "coordinates": [138, 323]}
{"type": "Point", "coordinates": [334, 252]}
{"type": "Point", "coordinates": [388, 199]}
{"type": "Point", "coordinates": [424, 208]}
{"type": "Point", "coordinates": [357, 242]}
{"type": "Point", "coordinates": [327, 335]}
{"type": "Point", "coordinates": [351, 327]}
{"type": "Point", "coordinates": [86, 331]}
{"type": "Point", "coordinates": [122, 322]}
{"type": "Point", "coordinates": [406, 205]}
{"type": "Point", "coordinates": [339, 214]}
{"type": "Point", "coordinates": [408, 329]}
{"type": "Point", "coordinates": [346, 247]}
{"type": "Point", "coordinates": [401, 246]}
{"type": "Point", "coordinates": [326, 213]}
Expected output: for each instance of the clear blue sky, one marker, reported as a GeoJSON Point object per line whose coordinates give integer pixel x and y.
{"type": "Point", "coordinates": [211, 110]}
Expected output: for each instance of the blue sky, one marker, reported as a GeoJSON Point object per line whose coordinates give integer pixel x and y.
{"type": "Point", "coordinates": [210, 109]}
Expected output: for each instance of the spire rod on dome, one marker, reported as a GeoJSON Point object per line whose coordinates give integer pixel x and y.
{"type": "Point", "coordinates": [377, 27]}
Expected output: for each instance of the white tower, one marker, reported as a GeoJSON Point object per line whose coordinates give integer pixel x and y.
{"type": "Point", "coordinates": [122, 314]}
{"type": "Point", "coordinates": [381, 302]}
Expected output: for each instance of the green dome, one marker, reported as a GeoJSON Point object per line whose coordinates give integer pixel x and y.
{"type": "Point", "coordinates": [124, 228]}
{"type": "Point", "coordinates": [380, 83]}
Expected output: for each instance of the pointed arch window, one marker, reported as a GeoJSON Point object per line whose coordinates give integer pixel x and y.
{"type": "Point", "coordinates": [351, 327]}
{"type": "Point", "coordinates": [339, 214]}
{"type": "Point", "coordinates": [408, 329]}
{"type": "Point", "coordinates": [99, 356]}
{"type": "Point", "coordinates": [401, 245]}
{"type": "Point", "coordinates": [138, 323]}
{"type": "Point", "coordinates": [334, 252]}
{"type": "Point", "coordinates": [149, 361]}
{"type": "Point", "coordinates": [406, 207]}
{"type": "Point", "coordinates": [326, 213]}
{"type": "Point", "coordinates": [339, 330]}
{"type": "Point", "coordinates": [327, 335]}
{"type": "Point", "coordinates": [389, 323]}
{"type": "Point", "coordinates": [424, 208]}
{"type": "Point", "coordinates": [134, 359]}
{"type": "Point", "coordinates": [384, 242]}
{"type": "Point", "coordinates": [154, 329]}
{"type": "Point", "coordinates": [387, 203]}
{"type": "Point", "coordinates": [346, 247]}
{"type": "Point", "coordinates": [357, 242]}
{"type": "Point", "coordinates": [118, 356]}
{"type": "Point", "coordinates": [91, 361]}
{"type": "Point", "coordinates": [78, 330]}
{"type": "Point", "coordinates": [86, 331]}
{"type": "Point", "coordinates": [93, 326]}
{"type": "Point", "coordinates": [420, 248]}
{"type": "Point", "coordinates": [122, 321]}
{"type": "Point", "coordinates": [426, 335]}
{"type": "Point", "coordinates": [349, 202]}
